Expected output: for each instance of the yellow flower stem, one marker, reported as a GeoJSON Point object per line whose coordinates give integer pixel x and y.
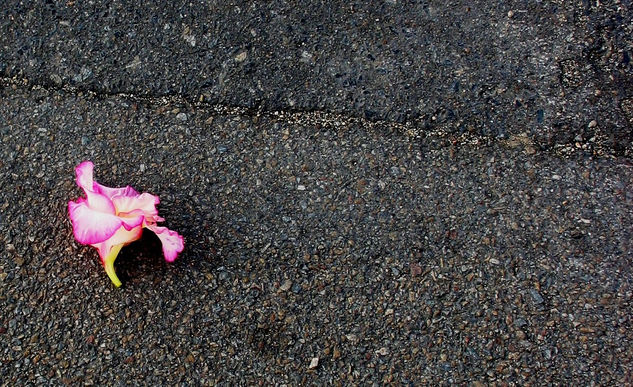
{"type": "Point", "coordinates": [109, 264]}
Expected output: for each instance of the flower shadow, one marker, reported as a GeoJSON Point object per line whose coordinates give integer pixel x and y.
{"type": "Point", "coordinates": [142, 261]}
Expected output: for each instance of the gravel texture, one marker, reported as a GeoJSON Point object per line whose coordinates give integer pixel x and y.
{"type": "Point", "coordinates": [386, 192]}
{"type": "Point", "coordinates": [319, 249]}
{"type": "Point", "coordinates": [558, 71]}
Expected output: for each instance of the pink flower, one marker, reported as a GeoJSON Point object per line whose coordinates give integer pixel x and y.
{"type": "Point", "coordinates": [110, 218]}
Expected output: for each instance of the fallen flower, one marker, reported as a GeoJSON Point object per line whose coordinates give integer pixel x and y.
{"type": "Point", "coordinates": [110, 218]}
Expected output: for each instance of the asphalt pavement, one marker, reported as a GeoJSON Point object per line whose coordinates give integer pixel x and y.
{"type": "Point", "coordinates": [370, 193]}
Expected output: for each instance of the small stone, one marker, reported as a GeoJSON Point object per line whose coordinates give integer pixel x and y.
{"type": "Point", "coordinates": [181, 116]}
{"type": "Point", "coordinates": [536, 296]}
{"type": "Point", "coordinates": [306, 57]}
{"type": "Point", "coordinates": [134, 64]}
{"type": "Point", "coordinates": [383, 351]}
{"type": "Point", "coordinates": [301, 188]}
{"type": "Point", "coordinates": [520, 322]}
{"type": "Point", "coordinates": [286, 285]}
{"type": "Point", "coordinates": [241, 57]}
{"type": "Point", "coordinates": [547, 354]}
{"type": "Point", "coordinates": [415, 269]}
{"type": "Point", "coordinates": [314, 363]}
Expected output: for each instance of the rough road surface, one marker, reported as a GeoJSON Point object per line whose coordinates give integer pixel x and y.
{"type": "Point", "coordinates": [544, 68]}
{"type": "Point", "coordinates": [398, 192]}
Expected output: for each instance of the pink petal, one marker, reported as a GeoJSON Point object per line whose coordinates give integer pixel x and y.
{"type": "Point", "coordinates": [85, 180]}
{"type": "Point", "coordinates": [132, 219]}
{"type": "Point", "coordinates": [114, 192]}
{"type": "Point", "coordinates": [90, 226]}
{"type": "Point", "coordinates": [152, 220]}
{"type": "Point", "coordinates": [172, 242]}
{"type": "Point", "coordinates": [144, 202]}
{"type": "Point", "coordinates": [100, 203]}
{"type": "Point", "coordinates": [96, 201]}
{"type": "Point", "coordinates": [84, 175]}
{"type": "Point", "coordinates": [120, 237]}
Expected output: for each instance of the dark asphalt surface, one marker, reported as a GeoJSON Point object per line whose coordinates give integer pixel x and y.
{"type": "Point", "coordinates": [544, 68]}
{"type": "Point", "coordinates": [398, 193]}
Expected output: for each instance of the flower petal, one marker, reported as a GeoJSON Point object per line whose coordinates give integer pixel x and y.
{"type": "Point", "coordinates": [115, 192]}
{"type": "Point", "coordinates": [145, 202]}
{"type": "Point", "coordinates": [96, 201]}
{"type": "Point", "coordinates": [122, 236]}
{"type": "Point", "coordinates": [90, 226]}
{"type": "Point", "coordinates": [100, 203]}
{"type": "Point", "coordinates": [152, 220]}
{"type": "Point", "coordinates": [172, 242]}
{"type": "Point", "coordinates": [84, 175]}
{"type": "Point", "coordinates": [132, 219]}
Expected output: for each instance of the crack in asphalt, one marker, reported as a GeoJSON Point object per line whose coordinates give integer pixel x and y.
{"type": "Point", "coordinates": [598, 148]}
